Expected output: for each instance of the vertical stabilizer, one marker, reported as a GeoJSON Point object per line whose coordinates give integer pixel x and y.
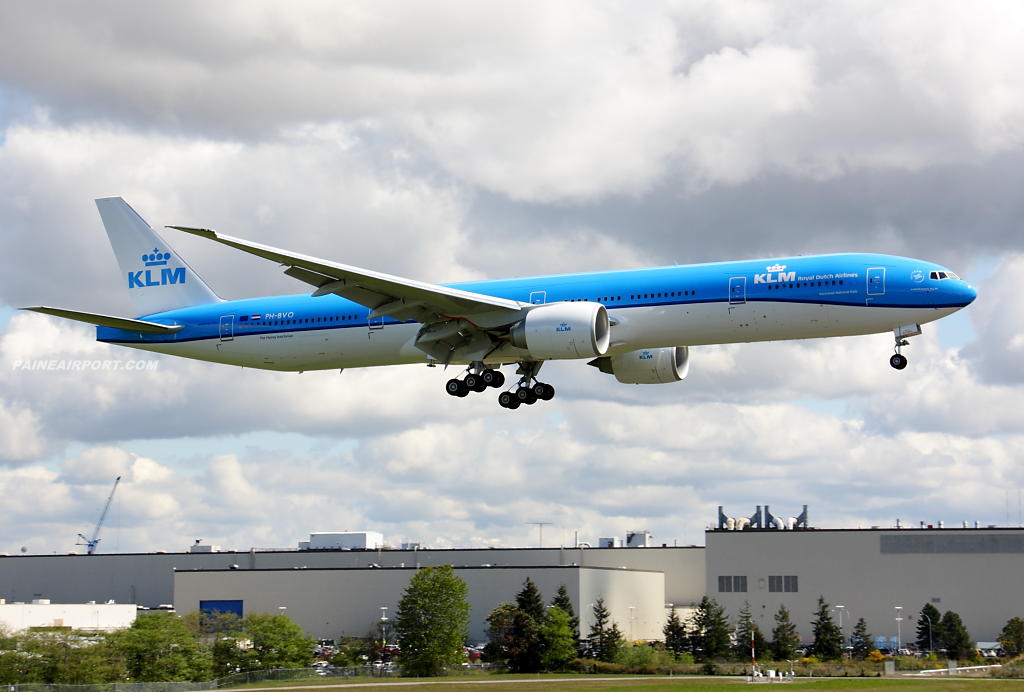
{"type": "Point", "coordinates": [157, 278]}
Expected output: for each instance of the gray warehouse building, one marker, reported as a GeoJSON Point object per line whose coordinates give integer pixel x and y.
{"type": "Point", "coordinates": [877, 574]}
{"type": "Point", "coordinates": [976, 573]}
{"type": "Point", "coordinates": [333, 602]}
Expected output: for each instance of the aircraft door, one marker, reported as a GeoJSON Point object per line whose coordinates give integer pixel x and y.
{"type": "Point", "coordinates": [737, 290]}
{"type": "Point", "coordinates": [227, 328]}
{"type": "Point", "coordinates": [539, 297]}
{"type": "Point", "coordinates": [876, 281]}
{"type": "Point", "coordinates": [376, 323]}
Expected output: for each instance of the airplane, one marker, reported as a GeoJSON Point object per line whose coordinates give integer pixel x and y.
{"type": "Point", "coordinates": [637, 324]}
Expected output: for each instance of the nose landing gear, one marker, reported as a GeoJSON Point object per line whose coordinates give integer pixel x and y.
{"type": "Point", "coordinates": [898, 360]}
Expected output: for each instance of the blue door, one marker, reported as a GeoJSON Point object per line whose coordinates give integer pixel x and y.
{"type": "Point", "coordinates": [876, 281]}
{"type": "Point", "coordinates": [737, 290]}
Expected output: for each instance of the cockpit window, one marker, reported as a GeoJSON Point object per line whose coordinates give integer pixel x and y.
{"type": "Point", "coordinates": [939, 276]}
{"type": "Point", "coordinates": [934, 276]}
{"type": "Point", "coordinates": [952, 275]}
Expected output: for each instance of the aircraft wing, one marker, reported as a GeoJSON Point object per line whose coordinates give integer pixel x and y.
{"type": "Point", "coordinates": [384, 295]}
{"type": "Point", "coordinates": [110, 321]}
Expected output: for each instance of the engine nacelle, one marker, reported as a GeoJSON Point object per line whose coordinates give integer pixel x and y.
{"type": "Point", "coordinates": [564, 330]}
{"type": "Point", "coordinates": [647, 366]}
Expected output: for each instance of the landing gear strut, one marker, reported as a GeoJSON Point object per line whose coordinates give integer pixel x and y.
{"type": "Point", "coordinates": [898, 360]}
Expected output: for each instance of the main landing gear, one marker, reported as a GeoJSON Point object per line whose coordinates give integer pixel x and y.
{"type": "Point", "coordinates": [527, 391]}
{"type": "Point", "coordinates": [476, 380]}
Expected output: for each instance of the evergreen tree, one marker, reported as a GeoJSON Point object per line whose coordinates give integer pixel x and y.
{"type": "Point", "coordinates": [710, 631]}
{"type": "Point", "coordinates": [747, 629]}
{"type": "Point", "coordinates": [432, 621]}
{"type": "Point", "coordinates": [955, 638]}
{"type": "Point", "coordinates": [674, 630]}
{"type": "Point", "coordinates": [784, 637]}
{"type": "Point", "coordinates": [563, 601]}
{"type": "Point", "coordinates": [605, 640]}
{"type": "Point", "coordinates": [929, 636]}
{"type": "Point", "coordinates": [828, 640]}
{"type": "Point", "coordinates": [861, 640]}
{"type": "Point", "coordinates": [530, 601]}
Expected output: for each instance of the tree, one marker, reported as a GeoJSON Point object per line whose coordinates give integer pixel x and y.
{"type": "Point", "coordinates": [524, 643]}
{"type": "Point", "coordinates": [747, 629]}
{"type": "Point", "coordinates": [524, 646]}
{"type": "Point", "coordinates": [955, 638]}
{"type": "Point", "coordinates": [158, 647]}
{"type": "Point", "coordinates": [432, 621]}
{"type": "Point", "coordinates": [1012, 637]}
{"type": "Point", "coordinates": [499, 627]}
{"type": "Point", "coordinates": [784, 637]}
{"type": "Point", "coordinates": [861, 640]}
{"type": "Point", "coordinates": [674, 630]}
{"type": "Point", "coordinates": [828, 640]}
{"type": "Point", "coordinates": [604, 640]}
{"type": "Point", "coordinates": [530, 601]}
{"type": "Point", "coordinates": [710, 631]}
{"type": "Point", "coordinates": [563, 601]}
{"type": "Point", "coordinates": [929, 628]}
{"type": "Point", "coordinates": [558, 637]}
{"type": "Point", "coordinates": [277, 642]}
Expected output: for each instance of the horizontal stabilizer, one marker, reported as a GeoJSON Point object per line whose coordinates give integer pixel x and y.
{"type": "Point", "coordinates": [110, 321]}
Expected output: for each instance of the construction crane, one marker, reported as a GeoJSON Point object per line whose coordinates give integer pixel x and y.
{"type": "Point", "coordinates": [91, 544]}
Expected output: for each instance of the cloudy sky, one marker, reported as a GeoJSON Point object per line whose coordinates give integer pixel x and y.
{"type": "Point", "coordinates": [449, 141]}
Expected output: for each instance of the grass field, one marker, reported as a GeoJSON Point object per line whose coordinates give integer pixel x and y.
{"type": "Point", "coordinates": [570, 683]}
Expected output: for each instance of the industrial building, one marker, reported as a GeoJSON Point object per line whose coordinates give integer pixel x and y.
{"type": "Point", "coordinates": [89, 617]}
{"type": "Point", "coordinates": [876, 574]}
{"type": "Point", "coordinates": [337, 583]}
{"type": "Point", "coordinates": [333, 602]}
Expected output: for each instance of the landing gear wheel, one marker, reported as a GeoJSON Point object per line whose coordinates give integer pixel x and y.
{"type": "Point", "coordinates": [464, 391]}
{"type": "Point", "coordinates": [506, 399]}
{"type": "Point", "coordinates": [544, 391]}
{"type": "Point", "coordinates": [475, 383]}
{"type": "Point", "coordinates": [898, 361]}
{"type": "Point", "coordinates": [522, 394]}
{"type": "Point", "coordinates": [453, 387]}
{"type": "Point", "coordinates": [530, 399]}
{"type": "Point", "coordinates": [492, 378]}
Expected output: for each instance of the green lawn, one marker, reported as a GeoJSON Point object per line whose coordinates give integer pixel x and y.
{"type": "Point", "coordinates": [556, 683]}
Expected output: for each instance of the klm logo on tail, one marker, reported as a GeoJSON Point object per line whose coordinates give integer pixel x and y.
{"type": "Point", "coordinates": [167, 275]}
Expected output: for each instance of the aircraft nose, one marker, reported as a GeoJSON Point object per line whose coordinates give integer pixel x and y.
{"type": "Point", "coordinates": [968, 292]}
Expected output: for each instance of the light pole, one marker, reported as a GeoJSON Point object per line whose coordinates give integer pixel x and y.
{"type": "Point", "coordinates": [383, 625]}
{"type": "Point", "coordinates": [929, 631]}
{"type": "Point", "coordinates": [631, 619]}
{"type": "Point", "coordinates": [843, 634]}
{"type": "Point", "coordinates": [899, 619]}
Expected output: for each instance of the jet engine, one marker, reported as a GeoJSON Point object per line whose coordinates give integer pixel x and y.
{"type": "Point", "coordinates": [647, 366]}
{"type": "Point", "coordinates": [563, 330]}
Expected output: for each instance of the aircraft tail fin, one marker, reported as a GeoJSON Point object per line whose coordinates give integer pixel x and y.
{"type": "Point", "coordinates": [158, 279]}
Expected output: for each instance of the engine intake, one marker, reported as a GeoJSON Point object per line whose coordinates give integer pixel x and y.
{"type": "Point", "coordinates": [647, 366]}
{"type": "Point", "coordinates": [563, 331]}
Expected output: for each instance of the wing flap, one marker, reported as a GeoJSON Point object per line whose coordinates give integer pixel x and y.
{"type": "Point", "coordinates": [110, 321]}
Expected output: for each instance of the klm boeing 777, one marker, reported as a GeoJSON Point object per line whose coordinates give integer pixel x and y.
{"type": "Point", "coordinates": [636, 324]}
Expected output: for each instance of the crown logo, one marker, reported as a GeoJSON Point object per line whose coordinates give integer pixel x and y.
{"type": "Point", "coordinates": [156, 258]}
{"type": "Point", "coordinates": [776, 268]}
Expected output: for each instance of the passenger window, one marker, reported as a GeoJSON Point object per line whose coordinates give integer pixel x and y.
{"type": "Point", "coordinates": [840, 282]}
